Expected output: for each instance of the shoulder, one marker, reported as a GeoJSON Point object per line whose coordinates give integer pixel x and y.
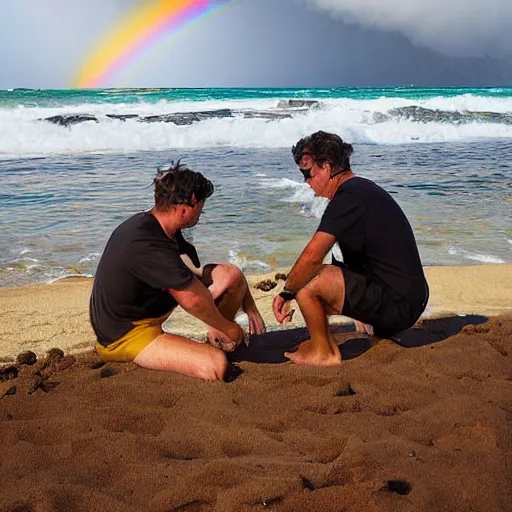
{"type": "Point", "coordinates": [142, 232]}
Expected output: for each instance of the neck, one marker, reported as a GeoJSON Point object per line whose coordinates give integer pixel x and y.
{"type": "Point", "coordinates": [167, 220]}
{"type": "Point", "coordinates": [337, 181]}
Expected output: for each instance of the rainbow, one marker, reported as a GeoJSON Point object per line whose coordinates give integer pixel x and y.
{"type": "Point", "coordinates": [137, 33]}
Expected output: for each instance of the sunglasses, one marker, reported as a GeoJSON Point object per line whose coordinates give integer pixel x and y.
{"type": "Point", "coordinates": [306, 173]}
{"type": "Point", "coordinates": [297, 155]}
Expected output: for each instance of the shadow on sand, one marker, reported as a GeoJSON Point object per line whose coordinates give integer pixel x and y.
{"type": "Point", "coordinates": [271, 346]}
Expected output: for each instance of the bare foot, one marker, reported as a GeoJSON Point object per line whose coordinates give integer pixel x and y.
{"type": "Point", "coordinates": [309, 354]}
{"type": "Point", "coordinates": [363, 328]}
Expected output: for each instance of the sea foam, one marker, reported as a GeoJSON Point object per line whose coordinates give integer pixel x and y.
{"type": "Point", "coordinates": [257, 123]}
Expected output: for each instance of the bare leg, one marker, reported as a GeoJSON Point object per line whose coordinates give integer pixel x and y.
{"type": "Point", "coordinates": [178, 354]}
{"type": "Point", "coordinates": [230, 281]}
{"type": "Point", "coordinates": [322, 296]}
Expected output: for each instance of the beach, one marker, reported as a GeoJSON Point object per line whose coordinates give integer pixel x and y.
{"type": "Point", "coordinates": [421, 422]}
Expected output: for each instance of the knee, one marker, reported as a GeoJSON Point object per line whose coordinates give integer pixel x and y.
{"type": "Point", "coordinates": [233, 275]}
{"type": "Point", "coordinates": [216, 367]}
{"type": "Point", "coordinates": [319, 287]}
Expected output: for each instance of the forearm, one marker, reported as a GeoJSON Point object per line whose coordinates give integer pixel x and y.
{"type": "Point", "coordinates": [301, 274]}
{"type": "Point", "coordinates": [310, 262]}
{"type": "Point", "coordinates": [197, 300]}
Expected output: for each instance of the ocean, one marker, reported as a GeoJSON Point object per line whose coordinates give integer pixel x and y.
{"type": "Point", "coordinates": [76, 163]}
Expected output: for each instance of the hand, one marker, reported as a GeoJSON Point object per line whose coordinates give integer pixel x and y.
{"type": "Point", "coordinates": [229, 340]}
{"type": "Point", "coordinates": [282, 310]}
{"type": "Point", "coordinates": [256, 323]}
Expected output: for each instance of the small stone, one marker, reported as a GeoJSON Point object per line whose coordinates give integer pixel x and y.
{"type": "Point", "coordinates": [36, 383]}
{"type": "Point", "coordinates": [65, 362]}
{"type": "Point", "coordinates": [345, 390]}
{"type": "Point", "coordinates": [399, 487]}
{"type": "Point", "coordinates": [107, 372]}
{"type": "Point", "coordinates": [280, 277]}
{"type": "Point", "coordinates": [266, 285]}
{"type": "Point", "coordinates": [233, 372]}
{"type": "Point", "coordinates": [11, 391]}
{"type": "Point", "coordinates": [412, 454]}
{"type": "Point", "coordinates": [47, 386]}
{"type": "Point", "coordinates": [28, 358]}
{"type": "Point", "coordinates": [8, 373]}
{"type": "Point", "coordinates": [307, 483]}
{"type": "Point", "coordinates": [55, 353]}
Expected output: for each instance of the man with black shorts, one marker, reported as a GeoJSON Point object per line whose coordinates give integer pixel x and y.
{"type": "Point", "coordinates": [380, 284]}
{"type": "Point", "coordinates": [148, 268]}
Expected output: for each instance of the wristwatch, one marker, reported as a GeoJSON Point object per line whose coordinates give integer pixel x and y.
{"type": "Point", "coordinates": [288, 295]}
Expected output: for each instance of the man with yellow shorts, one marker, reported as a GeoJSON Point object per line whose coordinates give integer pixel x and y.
{"type": "Point", "coordinates": [148, 268]}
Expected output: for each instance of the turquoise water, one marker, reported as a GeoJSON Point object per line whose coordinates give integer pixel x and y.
{"type": "Point", "coordinates": [46, 98]}
{"type": "Point", "coordinates": [73, 164]}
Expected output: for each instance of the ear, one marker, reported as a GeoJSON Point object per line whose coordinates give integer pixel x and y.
{"type": "Point", "coordinates": [327, 166]}
{"type": "Point", "coordinates": [194, 199]}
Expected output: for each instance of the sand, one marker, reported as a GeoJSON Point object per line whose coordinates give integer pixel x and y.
{"type": "Point", "coordinates": [423, 422]}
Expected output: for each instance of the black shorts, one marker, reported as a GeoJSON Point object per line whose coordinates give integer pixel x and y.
{"type": "Point", "coordinates": [369, 302]}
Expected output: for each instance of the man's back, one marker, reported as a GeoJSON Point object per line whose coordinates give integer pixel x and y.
{"type": "Point", "coordinates": [375, 237]}
{"type": "Point", "coordinates": [139, 263]}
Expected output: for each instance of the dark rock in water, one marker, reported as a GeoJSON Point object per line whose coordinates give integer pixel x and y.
{"type": "Point", "coordinates": [266, 285]}
{"type": "Point", "coordinates": [186, 118]}
{"type": "Point", "coordinates": [281, 277]}
{"type": "Point", "coordinates": [266, 115]}
{"type": "Point", "coordinates": [297, 103]}
{"type": "Point", "coordinates": [71, 119]}
{"type": "Point", "coordinates": [426, 115]}
{"type": "Point", "coordinates": [122, 117]}
{"type": "Point", "coordinates": [8, 373]}
{"type": "Point", "coordinates": [179, 119]}
{"type": "Point", "coordinates": [27, 358]}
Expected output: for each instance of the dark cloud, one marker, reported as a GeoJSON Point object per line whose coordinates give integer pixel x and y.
{"type": "Point", "coordinates": [455, 27]}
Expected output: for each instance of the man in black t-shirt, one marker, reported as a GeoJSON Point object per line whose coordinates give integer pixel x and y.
{"type": "Point", "coordinates": [380, 284]}
{"type": "Point", "coordinates": [148, 268]}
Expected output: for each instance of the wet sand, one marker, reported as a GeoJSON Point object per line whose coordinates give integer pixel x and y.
{"type": "Point", "coordinates": [423, 422]}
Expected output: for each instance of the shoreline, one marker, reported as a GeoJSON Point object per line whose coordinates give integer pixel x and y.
{"type": "Point", "coordinates": [39, 317]}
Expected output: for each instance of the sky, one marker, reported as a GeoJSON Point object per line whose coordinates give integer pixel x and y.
{"type": "Point", "coordinates": [270, 43]}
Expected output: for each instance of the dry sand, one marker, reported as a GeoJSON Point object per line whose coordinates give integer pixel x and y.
{"type": "Point", "coordinates": [421, 423]}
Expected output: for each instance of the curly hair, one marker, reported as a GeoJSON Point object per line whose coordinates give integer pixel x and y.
{"type": "Point", "coordinates": [178, 184]}
{"type": "Point", "coordinates": [325, 147]}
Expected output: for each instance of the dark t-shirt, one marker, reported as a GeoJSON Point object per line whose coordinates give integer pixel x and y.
{"type": "Point", "coordinates": [375, 238]}
{"type": "Point", "coordinates": [139, 264]}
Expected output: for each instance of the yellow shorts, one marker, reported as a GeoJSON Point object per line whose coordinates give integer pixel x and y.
{"type": "Point", "coordinates": [129, 346]}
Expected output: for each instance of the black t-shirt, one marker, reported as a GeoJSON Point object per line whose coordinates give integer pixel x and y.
{"type": "Point", "coordinates": [375, 238]}
{"type": "Point", "coordinates": [139, 264]}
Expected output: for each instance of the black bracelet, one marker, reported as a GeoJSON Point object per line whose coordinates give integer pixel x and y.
{"type": "Point", "coordinates": [288, 295]}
